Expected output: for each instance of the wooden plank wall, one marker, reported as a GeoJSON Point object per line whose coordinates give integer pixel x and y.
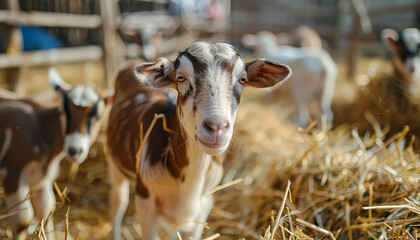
{"type": "Point", "coordinates": [78, 23]}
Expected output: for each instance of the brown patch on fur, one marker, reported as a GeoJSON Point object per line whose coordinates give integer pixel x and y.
{"type": "Point", "coordinates": [78, 117]}
{"type": "Point", "coordinates": [219, 159]}
{"type": "Point", "coordinates": [123, 132]}
{"type": "Point", "coordinates": [199, 66]}
{"type": "Point", "coordinates": [227, 67]}
{"type": "Point", "coordinates": [141, 189]}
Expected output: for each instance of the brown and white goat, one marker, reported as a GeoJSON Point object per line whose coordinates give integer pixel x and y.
{"type": "Point", "coordinates": [34, 139]}
{"type": "Point", "coordinates": [405, 50]}
{"type": "Point", "coordinates": [178, 166]}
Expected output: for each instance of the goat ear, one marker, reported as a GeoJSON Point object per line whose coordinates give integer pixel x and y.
{"type": "Point", "coordinates": [155, 74]}
{"type": "Point", "coordinates": [266, 74]}
{"type": "Point", "coordinates": [56, 81]}
{"type": "Point", "coordinates": [389, 38]}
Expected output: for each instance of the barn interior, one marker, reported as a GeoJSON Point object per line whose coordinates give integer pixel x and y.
{"type": "Point", "coordinates": [356, 177]}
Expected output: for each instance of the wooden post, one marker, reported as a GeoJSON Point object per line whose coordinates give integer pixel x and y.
{"type": "Point", "coordinates": [353, 52]}
{"type": "Point", "coordinates": [112, 43]}
{"type": "Point", "coordinates": [13, 42]}
{"type": "Point", "coordinates": [361, 21]}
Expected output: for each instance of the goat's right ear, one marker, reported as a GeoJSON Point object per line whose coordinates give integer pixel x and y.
{"type": "Point", "coordinates": [56, 81]}
{"type": "Point", "coordinates": [266, 74]}
{"type": "Point", "coordinates": [389, 38]}
{"type": "Point", "coordinates": [156, 74]}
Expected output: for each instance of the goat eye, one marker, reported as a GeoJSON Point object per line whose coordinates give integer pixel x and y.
{"type": "Point", "coordinates": [181, 78]}
{"type": "Point", "coordinates": [242, 80]}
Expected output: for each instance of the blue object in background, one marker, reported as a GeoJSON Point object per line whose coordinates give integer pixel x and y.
{"type": "Point", "coordinates": [36, 38]}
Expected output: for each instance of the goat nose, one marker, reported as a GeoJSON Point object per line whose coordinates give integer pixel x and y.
{"type": "Point", "coordinates": [73, 151]}
{"type": "Point", "coordinates": [217, 126]}
{"type": "Point", "coordinates": [411, 69]}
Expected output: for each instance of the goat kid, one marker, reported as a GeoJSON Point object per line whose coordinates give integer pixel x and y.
{"type": "Point", "coordinates": [177, 167]}
{"type": "Point", "coordinates": [33, 140]}
{"type": "Point", "coordinates": [405, 50]}
{"type": "Point", "coordinates": [314, 73]}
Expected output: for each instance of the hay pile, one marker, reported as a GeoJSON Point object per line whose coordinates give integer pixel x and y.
{"type": "Point", "coordinates": [342, 186]}
{"type": "Point", "coordinates": [335, 176]}
{"type": "Point", "coordinates": [383, 100]}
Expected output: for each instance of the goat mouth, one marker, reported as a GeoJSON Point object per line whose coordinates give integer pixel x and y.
{"type": "Point", "coordinates": [73, 158]}
{"type": "Point", "coordinates": [213, 146]}
{"type": "Point", "coordinates": [77, 158]}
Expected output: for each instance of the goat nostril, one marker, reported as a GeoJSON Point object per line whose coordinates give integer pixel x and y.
{"type": "Point", "coordinates": [411, 69]}
{"type": "Point", "coordinates": [72, 151]}
{"type": "Point", "coordinates": [213, 126]}
{"type": "Point", "coordinates": [208, 125]}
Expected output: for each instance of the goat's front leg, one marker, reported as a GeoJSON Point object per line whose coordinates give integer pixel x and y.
{"type": "Point", "coordinates": [207, 203]}
{"type": "Point", "coordinates": [16, 202]}
{"type": "Point", "coordinates": [146, 214]}
{"type": "Point", "coordinates": [303, 113]}
{"type": "Point", "coordinates": [325, 104]}
{"type": "Point", "coordinates": [43, 200]}
{"type": "Point", "coordinates": [323, 107]}
{"type": "Point", "coordinates": [119, 196]}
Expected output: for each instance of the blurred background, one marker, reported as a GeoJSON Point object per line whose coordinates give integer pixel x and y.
{"type": "Point", "coordinates": [110, 32]}
{"type": "Point", "coordinates": [88, 41]}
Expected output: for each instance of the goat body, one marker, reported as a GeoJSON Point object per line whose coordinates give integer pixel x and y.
{"type": "Point", "coordinates": [314, 75]}
{"type": "Point", "coordinates": [178, 165]}
{"type": "Point", "coordinates": [33, 140]}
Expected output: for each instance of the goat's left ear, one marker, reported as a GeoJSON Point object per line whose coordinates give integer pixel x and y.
{"type": "Point", "coordinates": [56, 81]}
{"type": "Point", "coordinates": [155, 74]}
{"type": "Point", "coordinates": [266, 74]}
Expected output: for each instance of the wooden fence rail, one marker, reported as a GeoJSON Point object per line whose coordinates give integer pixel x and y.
{"type": "Point", "coordinates": [48, 19]}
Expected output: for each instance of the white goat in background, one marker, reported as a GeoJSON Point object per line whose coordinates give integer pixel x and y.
{"type": "Point", "coordinates": [314, 73]}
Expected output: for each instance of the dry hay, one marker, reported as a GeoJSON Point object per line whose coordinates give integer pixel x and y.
{"type": "Point", "coordinates": [382, 100]}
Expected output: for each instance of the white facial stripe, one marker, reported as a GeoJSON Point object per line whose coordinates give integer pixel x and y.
{"type": "Point", "coordinates": [186, 67]}
{"type": "Point", "coordinates": [215, 97]}
{"type": "Point", "coordinates": [201, 50]}
{"type": "Point", "coordinates": [225, 51]}
{"type": "Point", "coordinates": [215, 94]}
{"type": "Point", "coordinates": [212, 53]}
{"type": "Point", "coordinates": [238, 69]}
{"type": "Point", "coordinates": [83, 96]}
